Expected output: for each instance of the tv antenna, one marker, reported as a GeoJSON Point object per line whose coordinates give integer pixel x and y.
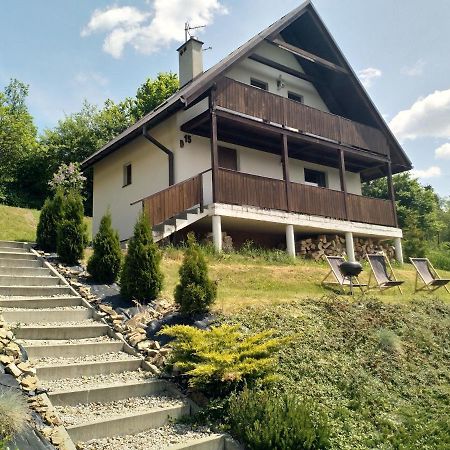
{"type": "Point", "coordinates": [188, 29]}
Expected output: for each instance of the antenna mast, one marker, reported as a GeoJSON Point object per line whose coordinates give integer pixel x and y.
{"type": "Point", "coordinates": [188, 29]}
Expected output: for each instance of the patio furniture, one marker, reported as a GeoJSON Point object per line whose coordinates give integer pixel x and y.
{"type": "Point", "coordinates": [427, 273]}
{"type": "Point", "coordinates": [383, 273]}
{"type": "Point", "coordinates": [343, 278]}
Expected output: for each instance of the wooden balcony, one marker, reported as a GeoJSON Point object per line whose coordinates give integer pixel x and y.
{"type": "Point", "coordinates": [271, 108]}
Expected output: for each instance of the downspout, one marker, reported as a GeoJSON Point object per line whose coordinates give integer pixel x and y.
{"type": "Point", "coordinates": [168, 152]}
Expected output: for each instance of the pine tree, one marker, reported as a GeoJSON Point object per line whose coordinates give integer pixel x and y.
{"type": "Point", "coordinates": [72, 234]}
{"type": "Point", "coordinates": [104, 264]}
{"type": "Point", "coordinates": [196, 292]}
{"type": "Point", "coordinates": [49, 220]}
{"type": "Point", "coordinates": [141, 278]}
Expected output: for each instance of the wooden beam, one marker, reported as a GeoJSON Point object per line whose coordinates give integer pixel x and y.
{"type": "Point", "coordinates": [196, 122]}
{"type": "Point", "coordinates": [391, 191]}
{"type": "Point", "coordinates": [343, 180]}
{"type": "Point", "coordinates": [286, 177]}
{"type": "Point", "coordinates": [214, 147]}
{"type": "Point", "coordinates": [282, 68]}
{"type": "Point", "coordinates": [308, 56]}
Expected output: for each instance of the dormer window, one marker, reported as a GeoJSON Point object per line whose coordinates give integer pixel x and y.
{"type": "Point", "coordinates": [259, 84]}
{"type": "Point", "coordinates": [296, 97]}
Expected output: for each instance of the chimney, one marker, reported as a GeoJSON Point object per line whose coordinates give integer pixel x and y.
{"type": "Point", "coordinates": [190, 60]}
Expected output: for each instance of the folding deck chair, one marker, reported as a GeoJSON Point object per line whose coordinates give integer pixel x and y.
{"type": "Point", "coordinates": [385, 279]}
{"type": "Point", "coordinates": [430, 278]}
{"type": "Point", "coordinates": [335, 262]}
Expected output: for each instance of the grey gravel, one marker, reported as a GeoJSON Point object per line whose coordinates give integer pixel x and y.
{"type": "Point", "coordinates": [104, 357]}
{"type": "Point", "coordinates": [56, 308]}
{"type": "Point", "coordinates": [74, 323]}
{"type": "Point", "coordinates": [156, 439]}
{"type": "Point", "coordinates": [88, 412]}
{"type": "Point", "coordinates": [93, 340]}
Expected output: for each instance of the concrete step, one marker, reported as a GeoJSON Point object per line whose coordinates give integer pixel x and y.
{"type": "Point", "coordinates": [19, 262]}
{"type": "Point", "coordinates": [25, 271]}
{"type": "Point", "coordinates": [72, 350]}
{"type": "Point", "coordinates": [27, 280]}
{"type": "Point", "coordinates": [108, 393]}
{"type": "Point", "coordinates": [86, 369]}
{"type": "Point", "coordinates": [40, 302]}
{"type": "Point", "coordinates": [126, 424]}
{"type": "Point", "coordinates": [64, 331]}
{"type": "Point", "coordinates": [13, 244]}
{"type": "Point", "coordinates": [213, 442]}
{"type": "Point", "coordinates": [14, 250]}
{"type": "Point", "coordinates": [35, 291]}
{"type": "Point", "coordinates": [43, 316]}
{"type": "Point", "coordinates": [16, 254]}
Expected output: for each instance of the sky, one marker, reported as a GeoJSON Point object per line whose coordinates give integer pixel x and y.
{"type": "Point", "coordinates": [71, 50]}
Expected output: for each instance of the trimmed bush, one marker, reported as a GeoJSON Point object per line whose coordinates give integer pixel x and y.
{"type": "Point", "coordinates": [49, 220]}
{"type": "Point", "coordinates": [104, 264]}
{"type": "Point", "coordinates": [196, 292]}
{"type": "Point", "coordinates": [72, 232]}
{"type": "Point", "coordinates": [141, 278]}
{"type": "Point", "coordinates": [266, 420]}
{"type": "Point", "coordinates": [222, 359]}
{"type": "Point", "coordinates": [14, 414]}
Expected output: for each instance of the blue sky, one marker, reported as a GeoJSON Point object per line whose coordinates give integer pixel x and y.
{"type": "Point", "coordinates": [71, 50]}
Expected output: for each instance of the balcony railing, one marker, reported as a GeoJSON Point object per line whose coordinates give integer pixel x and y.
{"type": "Point", "coordinates": [254, 102]}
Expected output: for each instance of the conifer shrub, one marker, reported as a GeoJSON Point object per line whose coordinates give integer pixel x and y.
{"type": "Point", "coordinates": [104, 264]}
{"type": "Point", "coordinates": [196, 292]}
{"type": "Point", "coordinates": [222, 359]}
{"type": "Point", "coordinates": [141, 277]}
{"type": "Point", "coordinates": [49, 220]}
{"type": "Point", "coordinates": [72, 231]}
{"type": "Point", "coordinates": [264, 420]}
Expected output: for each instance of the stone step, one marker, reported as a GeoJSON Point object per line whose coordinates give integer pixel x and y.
{"type": "Point", "coordinates": [126, 424]}
{"type": "Point", "coordinates": [27, 280]}
{"type": "Point", "coordinates": [73, 350]}
{"type": "Point", "coordinates": [76, 370]}
{"type": "Point", "coordinates": [43, 316]}
{"type": "Point", "coordinates": [213, 442]}
{"type": "Point", "coordinates": [17, 254]}
{"type": "Point", "coordinates": [19, 262]}
{"type": "Point", "coordinates": [13, 244]}
{"type": "Point", "coordinates": [40, 302]}
{"type": "Point", "coordinates": [35, 291]}
{"type": "Point", "coordinates": [107, 392]}
{"type": "Point", "coordinates": [13, 250]}
{"type": "Point", "coordinates": [63, 331]}
{"type": "Point", "coordinates": [25, 271]}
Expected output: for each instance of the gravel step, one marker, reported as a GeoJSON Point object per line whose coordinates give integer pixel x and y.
{"type": "Point", "coordinates": [40, 302]}
{"type": "Point", "coordinates": [17, 254]}
{"type": "Point", "coordinates": [27, 280]}
{"type": "Point", "coordinates": [62, 330]}
{"type": "Point", "coordinates": [37, 291]}
{"type": "Point", "coordinates": [108, 393]}
{"type": "Point", "coordinates": [13, 244]}
{"type": "Point", "coordinates": [46, 316]}
{"type": "Point", "coordinates": [68, 369]}
{"type": "Point", "coordinates": [16, 250]}
{"type": "Point", "coordinates": [25, 271]}
{"type": "Point", "coordinates": [19, 262]}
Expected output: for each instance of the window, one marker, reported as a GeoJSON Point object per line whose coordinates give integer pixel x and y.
{"type": "Point", "coordinates": [259, 84]}
{"type": "Point", "coordinates": [295, 97]}
{"type": "Point", "coordinates": [126, 175]}
{"type": "Point", "coordinates": [227, 158]}
{"type": "Point", "coordinates": [315, 178]}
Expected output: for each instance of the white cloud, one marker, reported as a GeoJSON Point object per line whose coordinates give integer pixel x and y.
{"type": "Point", "coordinates": [148, 32]}
{"type": "Point", "coordinates": [431, 172]}
{"type": "Point", "coordinates": [367, 76]}
{"type": "Point", "coordinates": [443, 152]}
{"type": "Point", "coordinates": [427, 117]}
{"type": "Point", "coordinates": [415, 70]}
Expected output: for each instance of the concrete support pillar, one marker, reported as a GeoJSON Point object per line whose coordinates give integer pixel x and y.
{"type": "Point", "coordinates": [398, 250]}
{"type": "Point", "coordinates": [217, 233]}
{"type": "Point", "coordinates": [350, 247]}
{"type": "Point", "coordinates": [290, 240]}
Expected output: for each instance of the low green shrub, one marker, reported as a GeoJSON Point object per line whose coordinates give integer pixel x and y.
{"type": "Point", "coordinates": [223, 359]}
{"type": "Point", "coordinates": [440, 258]}
{"type": "Point", "coordinates": [49, 220]}
{"type": "Point", "coordinates": [265, 420]}
{"type": "Point", "coordinates": [104, 264]}
{"type": "Point", "coordinates": [141, 277]}
{"type": "Point", "coordinates": [14, 414]}
{"type": "Point", "coordinates": [196, 292]}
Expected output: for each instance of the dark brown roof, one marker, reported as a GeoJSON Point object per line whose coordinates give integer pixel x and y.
{"type": "Point", "coordinates": [201, 84]}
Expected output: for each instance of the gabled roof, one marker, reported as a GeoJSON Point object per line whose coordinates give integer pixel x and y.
{"type": "Point", "coordinates": [201, 84]}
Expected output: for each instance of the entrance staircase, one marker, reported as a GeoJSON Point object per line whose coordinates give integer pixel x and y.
{"type": "Point", "coordinates": [97, 383]}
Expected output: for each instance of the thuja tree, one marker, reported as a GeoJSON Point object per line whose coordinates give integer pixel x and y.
{"type": "Point", "coordinates": [72, 232]}
{"type": "Point", "coordinates": [141, 278]}
{"type": "Point", "coordinates": [104, 264]}
{"type": "Point", "coordinates": [49, 220]}
{"type": "Point", "coordinates": [196, 292]}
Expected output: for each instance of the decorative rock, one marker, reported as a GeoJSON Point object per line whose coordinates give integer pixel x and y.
{"type": "Point", "coordinates": [165, 351]}
{"type": "Point", "coordinates": [5, 359]}
{"type": "Point", "coordinates": [154, 369]}
{"type": "Point", "coordinates": [143, 345]}
{"type": "Point", "coordinates": [151, 353]}
{"type": "Point", "coordinates": [13, 370]}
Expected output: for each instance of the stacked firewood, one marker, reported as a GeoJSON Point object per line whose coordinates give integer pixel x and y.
{"type": "Point", "coordinates": [318, 247]}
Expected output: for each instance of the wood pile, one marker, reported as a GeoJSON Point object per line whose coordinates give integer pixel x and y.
{"type": "Point", "coordinates": [318, 247]}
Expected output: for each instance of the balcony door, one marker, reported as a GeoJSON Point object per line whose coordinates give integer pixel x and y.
{"type": "Point", "coordinates": [228, 158]}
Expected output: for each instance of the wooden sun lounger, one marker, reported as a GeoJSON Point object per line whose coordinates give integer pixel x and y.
{"type": "Point", "coordinates": [385, 279]}
{"type": "Point", "coordinates": [427, 273]}
{"type": "Point", "coordinates": [340, 280]}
